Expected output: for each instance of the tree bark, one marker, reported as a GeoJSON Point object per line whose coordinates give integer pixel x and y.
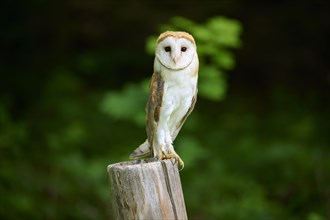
{"type": "Point", "coordinates": [146, 189]}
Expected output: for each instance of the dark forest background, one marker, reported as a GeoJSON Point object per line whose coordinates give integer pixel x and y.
{"type": "Point", "coordinates": [73, 89]}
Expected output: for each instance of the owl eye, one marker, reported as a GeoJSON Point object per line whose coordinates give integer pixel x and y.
{"type": "Point", "coordinates": [167, 49]}
{"type": "Point", "coordinates": [183, 49]}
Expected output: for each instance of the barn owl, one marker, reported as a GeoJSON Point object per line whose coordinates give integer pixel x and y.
{"type": "Point", "coordinates": [172, 94]}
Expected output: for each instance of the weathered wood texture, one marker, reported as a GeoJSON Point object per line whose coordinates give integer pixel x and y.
{"type": "Point", "coordinates": [146, 189]}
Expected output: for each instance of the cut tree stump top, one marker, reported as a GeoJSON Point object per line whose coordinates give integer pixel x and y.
{"type": "Point", "coordinates": [146, 189]}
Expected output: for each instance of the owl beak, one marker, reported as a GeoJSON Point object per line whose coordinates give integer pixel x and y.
{"type": "Point", "coordinates": [175, 59]}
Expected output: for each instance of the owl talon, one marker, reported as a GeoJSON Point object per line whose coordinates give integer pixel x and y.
{"type": "Point", "coordinates": [176, 157]}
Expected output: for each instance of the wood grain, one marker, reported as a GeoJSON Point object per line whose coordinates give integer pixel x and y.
{"type": "Point", "coordinates": [146, 189]}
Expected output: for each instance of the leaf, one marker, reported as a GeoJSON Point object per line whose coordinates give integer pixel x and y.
{"type": "Point", "coordinates": [211, 84]}
{"type": "Point", "coordinates": [129, 103]}
{"type": "Point", "coordinates": [150, 44]}
{"type": "Point", "coordinates": [224, 60]}
{"type": "Point", "coordinates": [201, 34]}
{"type": "Point", "coordinates": [226, 30]}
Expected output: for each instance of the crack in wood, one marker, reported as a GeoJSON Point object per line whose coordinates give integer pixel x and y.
{"type": "Point", "coordinates": [169, 190]}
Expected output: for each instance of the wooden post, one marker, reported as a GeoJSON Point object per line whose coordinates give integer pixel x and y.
{"type": "Point", "coordinates": [146, 189]}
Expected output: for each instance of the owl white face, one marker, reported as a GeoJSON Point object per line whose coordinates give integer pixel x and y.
{"type": "Point", "coordinates": [175, 53]}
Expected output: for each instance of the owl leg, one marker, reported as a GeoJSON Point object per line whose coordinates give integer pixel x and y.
{"type": "Point", "coordinates": [163, 149]}
{"type": "Point", "coordinates": [158, 145]}
{"type": "Point", "coordinates": [169, 152]}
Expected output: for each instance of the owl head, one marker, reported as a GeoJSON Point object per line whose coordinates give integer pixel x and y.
{"type": "Point", "coordinates": [175, 50]}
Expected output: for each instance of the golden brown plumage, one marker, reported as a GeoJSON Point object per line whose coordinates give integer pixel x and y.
{"type": "Point", "coordinates": [176, 34]}
{"type": "Point", "coordinates": [156, 91]}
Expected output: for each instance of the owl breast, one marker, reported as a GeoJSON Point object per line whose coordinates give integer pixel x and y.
{"type": "Point", "coordinates": [177, 98]}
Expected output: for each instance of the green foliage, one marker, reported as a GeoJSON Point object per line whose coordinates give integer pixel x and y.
{"type": "Point", "coordinates": [50, 170]}
{"type": "Point", "coordinates": [128, 103]}
{"type": "Point", "coordinates": [251, 156]}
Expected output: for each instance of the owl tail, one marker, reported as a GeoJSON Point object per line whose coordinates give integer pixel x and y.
{"type": "Point", "coordinates": [142, 151]}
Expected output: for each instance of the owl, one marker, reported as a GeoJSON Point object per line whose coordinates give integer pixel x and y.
{"type": "Point", "coordinates": [172, 94]}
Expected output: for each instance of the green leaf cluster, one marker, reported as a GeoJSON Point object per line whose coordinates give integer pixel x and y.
{"type": "Point", "coordinates": [127, 104]}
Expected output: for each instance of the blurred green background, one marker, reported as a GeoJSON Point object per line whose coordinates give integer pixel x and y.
{"type": "Point", "coordinates": [74, 82]}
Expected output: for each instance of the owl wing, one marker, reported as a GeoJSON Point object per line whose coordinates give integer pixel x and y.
{"type": "Point", "coordinates": [179, 125]}
{"type": "Point", "coordinates": [153, 107]}
{"type": "Point", "coordinates": [154, 103]}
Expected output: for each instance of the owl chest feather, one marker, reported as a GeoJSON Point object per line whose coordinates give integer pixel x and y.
{"type": "Point", "coordinates": [179, 89]}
